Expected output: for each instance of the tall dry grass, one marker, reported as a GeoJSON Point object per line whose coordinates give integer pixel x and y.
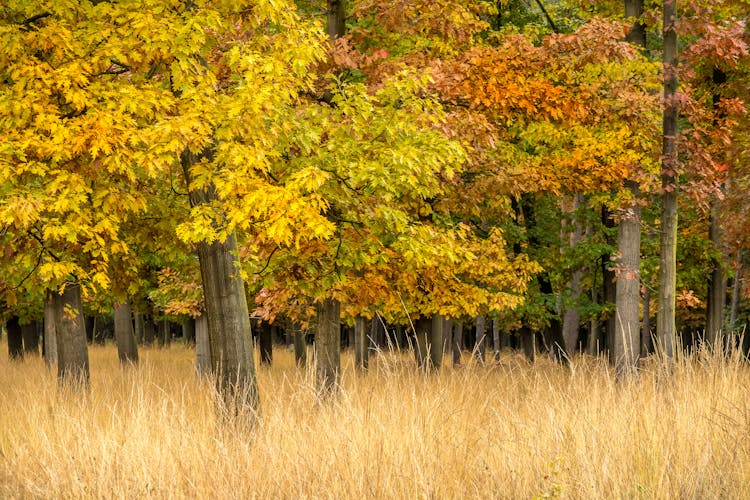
{"type": "Point", "coordinates": [505, 431]}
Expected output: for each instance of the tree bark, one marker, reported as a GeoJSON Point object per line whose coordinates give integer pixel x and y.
{"type": "Point", "coordinates": [422, 328]}
{"type": "Point", "coordinates": [646, 336]}
{"type": "Point", "coordinates": [496, 347]}
{"type": "Point", "coordinates": [328, 347]}
{"type": "Point", "coordinates": [300, 347]}
{"type": "Point", "coordinates": [336, 17]}
{"type": "Point", "coordinates": [481, 339]}
{"type": "Point", "coordinates": [165, 333]}
{"type": "Point", "coordinates": [127, 349]}
{"type": "Point", "coordinates": [609, 292]}
{"type": "Point", "coordinates": [149, 330]}
{"type": "Point", "coordinates": [140, 327]}
{"type": "Point", "coordinates": [30, 334]}
{"type": "Point", "coordinates": [592, 344]}
{"type": "Point", "coordinates": [360, 343]}
{"type": "Point", "coordinates": [15, 338]}
{"type": "Point", "coordinates": [717, 288]}
{"type": "Point", "coordinates": [734, 309]}
{"type": "Point", "coordinates": [458, 341]}
{"type": "Point", "coordinates": [72, 350]}
{"type": "Point", "coordinates": [188, 330]}
{"type": "Point", "coordinates": [665, 325]}
{"type": "Point", "coordinates": [528, 341]}
{"type": "Point", "coordinates": [202, 346]}
{"type": "Point", "coordinates": [572, 318]}
{"type": "Point", "coordinates": [436, 342]}
{"type": "Point", "coordinates": [50, 334]}
{"type": "Point", "coordinates": [626, 343]}
{"type": "Point", "coordinates": [229, 335]}
{"type": "Point", "coordinates": [265, 342]}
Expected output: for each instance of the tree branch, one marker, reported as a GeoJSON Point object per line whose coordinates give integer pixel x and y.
{"type": "Point", "coordinates": [547, 16]}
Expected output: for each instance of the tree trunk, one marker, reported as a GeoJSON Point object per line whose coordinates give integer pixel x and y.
{"type": "Point", "coordinates": [72, 350]}
{"type": "Point", "coordinates": [481, 339]}
{"type": "Point", "coordinates": [149, 330]}
{"type": "Point", "coordinates": [165, 333]}
{"type": "Point", "coordinates": [717, 288]}
{"type": "Point", "coordinates": [50, 334]}
{"type": "Point", "coordinates": [202, 346]}
{"type": "Point", "coordinates": [458, 341]}
{"type": "Point", "coordinates": [571, 317]}
{"type": "Point", "coordinates": [300, 347]}
{"type": "Point", "coordinates": [140, 327]}
{"type": "Point", "coordinates": [360, 343]}
{"type": "Point", "coordinates": [436, 342]}
{"type": "Point", "coordinates": [188, 330]}
{"type": "Point", "coordinates": [327, 347]}
{"type": "Point", "coordinates": [592, 344]}
{"type": "Point", "coordinates": [422, 329]}
{"type": "Point", "coordinates": [229, 335]}
{"type": "Point", "coordinates": [447, 336]}
{"type": "Point", "coordinates": [734, 309]}
{"type": "Point", "coordinates": [30, 334]}
{"type": "Point", "coordinates": [265, 342]}
{"type": "Point", "coordinates": [609, 292]}
{"type": "Point", "coordinates": [646, 328]}
{"type": "Point", "coordinates": [15, 338]}
{"type": "Point", "coordinates": [127, 349]}
{"type": "Point", "coordinates": [626, 347]}
{"type": "Point", "coordinates": [665, 324]}
{"type": "Point", "coordinates": [496, 347]}
{"type": "Point", "coordinates": [528, 341]}
{"type": "Point", "coordinates": [336, 17]}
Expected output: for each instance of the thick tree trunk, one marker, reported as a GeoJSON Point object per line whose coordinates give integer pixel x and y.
{"type": "Point", "coordinates": [127, 349]}
{"type": "Point", "coordinates": [229, 335]}
{"type": "Point", "coordinates": [15, 338]}
{"type": "Point", "coordinates": [265, 343]}
{"type": "Point", "coordinates": [202, 346]}
{"type": "Point", "coordinates": [436, 342]}
{"type": "Point", "coordinates": [50, 334]}
{"type": "Point", "coordinates": [30, 334]}
{"type": "Point", "coordinates": [328, 347]}
{"type": "Point", "coordinates": [481, 339]}
{"type": "Point", "coordinates": [72, 350]}
{"type": "Point", "coordinates": [626, 347]}
{"type": "Point", "coordinates": [458, 342]}
{"type": "Point", "coordinates": [188, 330]}
{"type": "Point", "coordinates": [528, 341]}
{"type": "Point", "coordinates": [665, 324]}
{"type": "Point", "coordinates": [717, 289]}
{"type": "Point", "coordinates": [447, 336]}
{"type": "Point", "coordinates": [360, 343]}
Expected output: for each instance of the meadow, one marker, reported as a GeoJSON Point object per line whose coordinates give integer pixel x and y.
{"type": "Point", "coordinates": [506, 430]}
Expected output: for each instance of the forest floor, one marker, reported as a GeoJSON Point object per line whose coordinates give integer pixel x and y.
{"type": "Point", "coordinates": [506, 430]}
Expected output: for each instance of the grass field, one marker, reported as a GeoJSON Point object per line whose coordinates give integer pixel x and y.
{"type": "Point", "coordinates": [509, 430]}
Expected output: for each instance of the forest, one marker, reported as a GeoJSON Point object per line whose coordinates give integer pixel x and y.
{"type": "Point", "coordinates": [447, 248]}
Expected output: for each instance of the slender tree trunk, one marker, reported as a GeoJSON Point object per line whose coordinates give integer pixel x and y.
{"type": "Point", "coordinates": [127, 349]}
{"type": "Point", "coordinates": [72, 349]}
{"type": "Point", "coordinates": [231, 345]}
{"type": "Point", "coordinates": [436, 342]}
{"type": "Point", "coordinates": [265, 342]}
{"type": "Point", "coordinates": [609, 292]}
{"type": "Point", "coordinates": [149, 330]}
{"type": "Point", "coordinates": [626, 347]}
{"type": "Point", "coordinates": [188, 330]}
{"type": "Point", "coordinates": [422, 328]}
{"type": "Point", "coordinates": [165, 333]}
{"type": "Point", "coordinates": [15, 338]}
{"type": "Point", "coordinates": [458, 342]}
{"type": "Point", "coordinates": [328, 347]}
{"type": "Point", "coordinates": [30, 334]}
{"type": "Point", "coordinates": [717, 288]}
{"type": "Point", "coordinates": [202, 346]}
{"type": "Point", "coordinates": [480, 342]}
{"type": "Point", "coordinates": [592, 346]}
{"type": "Point", "coordinates": [734, 310]}
{"type": "Point", "coordinates": [496, 340]}
{"type": "Point", "coordinates": [336, 16]}
{"type": "Point", "coordinates": [447, 335]}
{"type": "Point", "coordinates": [665, 325]}
{"type": "Point", "coordinates": [300, 347]}
{"type": "Point", "coordinates": [572, 318]}
{"type": "Point", "coordinates": [360, 343]}
{"type": "Point", "coordinates": [528, 341]}
{"type": "Point", "coordinates": [50, 334]}
{"type": "Point", "coordinates": [646, 328]}
{"type": "Point", "coordinates": [140, 328]}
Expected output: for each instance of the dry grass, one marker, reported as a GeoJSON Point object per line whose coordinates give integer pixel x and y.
{"type": "Point", "coordinates": [505, 431]}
